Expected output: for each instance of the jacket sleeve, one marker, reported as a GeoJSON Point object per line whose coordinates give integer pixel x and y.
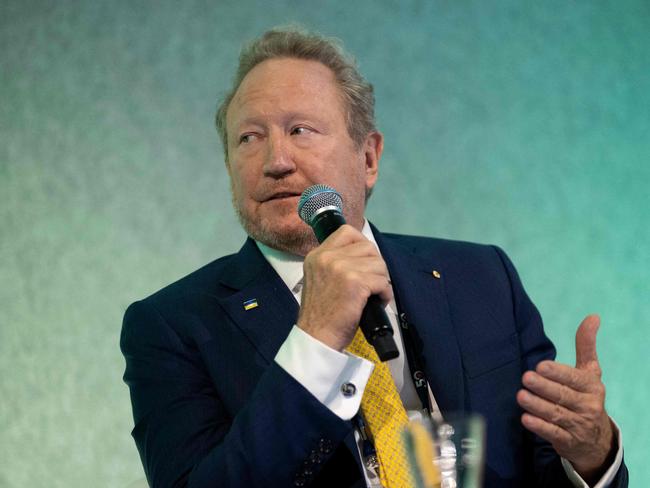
{"type": "Point", "coordinates": [187, 437]}
{"type": "Point", "coordinates": [545, 464]}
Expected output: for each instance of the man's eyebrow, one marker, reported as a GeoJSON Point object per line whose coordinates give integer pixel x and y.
{"type": "Point", "coordinates": [248, 121]}
{"type": "Point", "coordinates": [285, 118]}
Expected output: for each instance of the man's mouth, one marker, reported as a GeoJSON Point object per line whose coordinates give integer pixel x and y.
{"type": "Point", "coordinates": [282, 196]}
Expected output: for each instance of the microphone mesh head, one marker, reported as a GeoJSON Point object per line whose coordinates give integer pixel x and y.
{"type": "Point", "coordinates": [316, 197]}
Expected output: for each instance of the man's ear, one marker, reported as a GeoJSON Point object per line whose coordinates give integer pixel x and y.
{"type": "Point", "coordinates": [372, 148]}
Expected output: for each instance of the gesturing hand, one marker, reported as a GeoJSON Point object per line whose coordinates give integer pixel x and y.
{"type": "Point", "coordinates": [566, 406]}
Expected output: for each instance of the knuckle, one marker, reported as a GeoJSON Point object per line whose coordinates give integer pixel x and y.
{"type": "Point", "coordinates": [344, 229]}
{"type": "Point", "coordinates": [594, 411]}
{"type": "Point", "coordinates": [368, 247]}
{"type": "Point", "coordinates": [597, 370]}
{"type": "Point", "coordinates": [345, 275]}
{"type": "Point", "coordinates": [311, 257]}
{"type": "Point", "coordinates": [336, 266]}
{"type": "Point", "coordinates": [599, 408]}
{"type": "Point", "coordinates": [320, 259]}
{"type": "Point", "coordinates": [557, 417]}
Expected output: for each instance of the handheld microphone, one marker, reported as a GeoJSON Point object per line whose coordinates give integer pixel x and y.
{"type": "Point", "coordinates": [321, 207]}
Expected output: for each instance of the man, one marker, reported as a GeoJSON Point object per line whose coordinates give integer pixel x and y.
{"type": "Point", "coordinates": [227, 391]}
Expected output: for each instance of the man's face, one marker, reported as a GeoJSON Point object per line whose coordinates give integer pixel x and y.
{"type": "Point", "coordinates": [287, 131]}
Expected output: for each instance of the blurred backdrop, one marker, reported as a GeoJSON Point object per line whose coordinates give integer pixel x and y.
{"type": "Point", "coordinates": [524, 124]}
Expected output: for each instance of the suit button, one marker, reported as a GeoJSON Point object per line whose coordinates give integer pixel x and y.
{"type": "Point", "coordinates": [299, 481]}
{"type": "Point", "coordinates": [325, 446]}
{"type": "Point", "coordinates": [314, 457]}
{"type": "Point", "coordinates": [348, 389]}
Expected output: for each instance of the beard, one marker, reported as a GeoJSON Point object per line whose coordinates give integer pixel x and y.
{"type": "Point", "coordinates": [298, 241]}
{"type": "Point", "coordinates": [294, 239]}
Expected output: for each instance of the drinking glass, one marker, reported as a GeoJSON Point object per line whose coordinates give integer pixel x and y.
{"type": "Point", "coordinates": [447, 453]}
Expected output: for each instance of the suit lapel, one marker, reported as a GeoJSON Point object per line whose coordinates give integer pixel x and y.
{"type": "Point", "coordinates": [275, 310]}
{"type": "Point", "coordinates": [421, 296]}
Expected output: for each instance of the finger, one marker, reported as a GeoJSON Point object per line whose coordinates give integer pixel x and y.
{"type": "Point", "coordinates": [344, 235]}
{"type": "Point", "coordinates": [551, 412]}
{"type": "Point", "coordinates": [577, 379]}
{"type": "Point", "coordinates": [586, 356]}
{"type": "Point", "coordinates": [360, 248]}
{"type": "Point", "coordinates": [555, 392]}
{"type": "Point", "coordinates": [353, 257]}
{"type": "Point", "coordinates": [546, 430]}
{"type": "Point", "coordinates": [347, 245]}
{"type": "Point", "coordinates": [361, 265]}
{"type": "Point", "coordinates": [378, 285]}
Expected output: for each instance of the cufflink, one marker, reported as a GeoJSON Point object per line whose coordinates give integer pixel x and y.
{"type": "Point", "coordinates": [348, 389]}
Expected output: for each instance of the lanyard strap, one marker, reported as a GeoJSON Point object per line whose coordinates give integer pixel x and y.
{"type": "Point", "coordinates": [415, 364]}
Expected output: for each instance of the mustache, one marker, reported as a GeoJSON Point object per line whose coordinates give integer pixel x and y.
{"type": "Point", "coordinates": [279, 191]}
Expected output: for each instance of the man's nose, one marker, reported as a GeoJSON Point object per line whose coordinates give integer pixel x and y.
{"type": "Point", "coordinates": [279, 161]}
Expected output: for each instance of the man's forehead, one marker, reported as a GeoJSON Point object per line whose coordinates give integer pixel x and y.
{"type": "Point", "coordinates": [295, 84]}
{"type": "Point", "coordinates": [289, 70]}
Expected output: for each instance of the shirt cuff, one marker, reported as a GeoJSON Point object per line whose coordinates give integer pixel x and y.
{"type": "Point", "coordinates": [336, 379]}
{"type": "Point", "coordinates": [609, 475]}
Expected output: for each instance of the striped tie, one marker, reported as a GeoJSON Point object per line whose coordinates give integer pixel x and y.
{"type": "Point", "coordinates": [385, 418]}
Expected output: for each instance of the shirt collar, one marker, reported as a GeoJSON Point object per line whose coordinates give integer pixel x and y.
{"type": "Point", "coordinates": [289, 266]}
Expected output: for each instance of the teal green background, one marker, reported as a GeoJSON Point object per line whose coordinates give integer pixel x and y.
{"type": "Point", "coordinates": [524, 124]}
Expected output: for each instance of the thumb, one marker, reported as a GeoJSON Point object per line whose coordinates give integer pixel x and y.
{"type": "Point", "coordinates": [586, 357]}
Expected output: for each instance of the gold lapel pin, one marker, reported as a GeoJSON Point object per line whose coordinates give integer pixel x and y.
{"type": "Point", "coordinates": [436, 274]}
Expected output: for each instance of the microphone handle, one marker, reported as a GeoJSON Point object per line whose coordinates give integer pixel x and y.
{"type": "Point", "coordinates": [374, 322]}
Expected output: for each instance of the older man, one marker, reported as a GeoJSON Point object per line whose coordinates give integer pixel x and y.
{"type": "Point", "coordinates": [251, 371]}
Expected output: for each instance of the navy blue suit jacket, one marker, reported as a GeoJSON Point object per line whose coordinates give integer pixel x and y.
{"type": "Point", "coordinates": [212, 409]}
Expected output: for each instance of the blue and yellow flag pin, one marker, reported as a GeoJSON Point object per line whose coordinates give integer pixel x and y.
{"type": "Point", "coordinates": [250, 304]}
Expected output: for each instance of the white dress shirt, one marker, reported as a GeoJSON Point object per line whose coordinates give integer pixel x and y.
{"type": "Point", "coordinates": [323, 370]}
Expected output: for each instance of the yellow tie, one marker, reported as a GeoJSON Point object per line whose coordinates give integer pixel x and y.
{"type": "Point", "coordinates": [385, 418]}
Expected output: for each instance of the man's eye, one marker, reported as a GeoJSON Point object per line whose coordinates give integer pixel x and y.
{"type": "Point", "coordinates": [300, 130]}
{"type": "Point", "coordinates": [246, 138]}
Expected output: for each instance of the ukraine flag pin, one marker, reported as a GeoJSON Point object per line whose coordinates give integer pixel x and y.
{"type": "Point", "coordinates": [250, 304]}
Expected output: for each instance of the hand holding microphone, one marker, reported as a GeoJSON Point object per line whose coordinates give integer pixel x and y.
{"type": "Point", "coordinates": [346, 280]}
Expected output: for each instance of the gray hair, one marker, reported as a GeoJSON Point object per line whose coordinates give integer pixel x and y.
{"type": "Point", "coordinates": [294, 42]}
